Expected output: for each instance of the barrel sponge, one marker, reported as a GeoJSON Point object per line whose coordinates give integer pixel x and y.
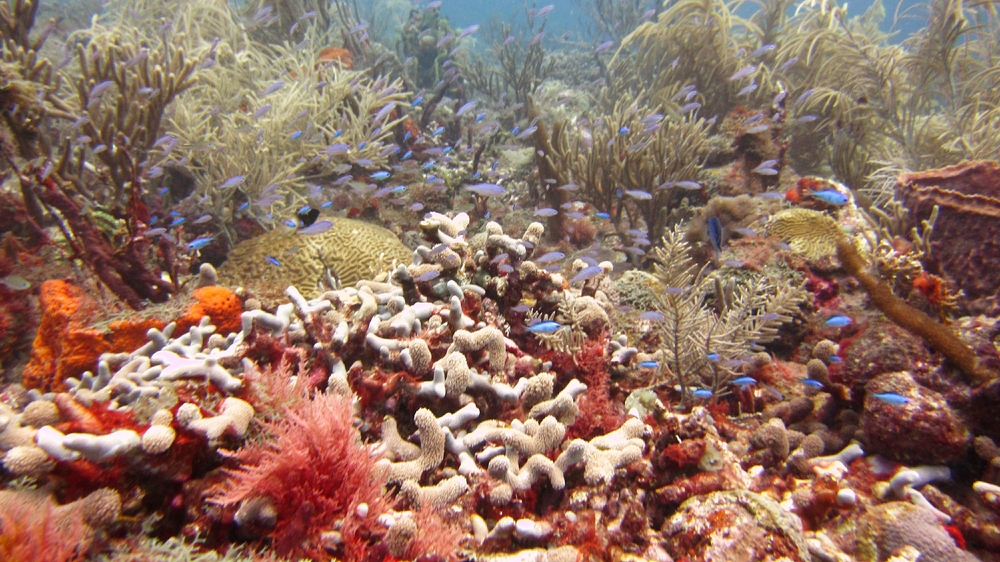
{"type": "Point", "coordinates": [351, 249]}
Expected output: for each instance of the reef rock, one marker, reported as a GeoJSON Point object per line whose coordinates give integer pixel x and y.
{"type": "Point", "coordinates": [887, 528]}
{"type": "Point", "coordinates": [734, 525]}
{"type": "Point", "coordinates": [924, 430]}
{"type": "Point", "coordinates": [966, 235]}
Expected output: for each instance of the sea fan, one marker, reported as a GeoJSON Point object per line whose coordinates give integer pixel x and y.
{"type": "Point", "coordinates": [313, 475]}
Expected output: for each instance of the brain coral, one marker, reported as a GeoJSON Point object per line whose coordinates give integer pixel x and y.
{"type": "Point", "coordinates": [811, 233]}
{"type": "Point", "coordinates": [351, 249]}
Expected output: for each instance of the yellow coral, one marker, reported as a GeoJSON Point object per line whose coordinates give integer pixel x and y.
{"type": "Point", "coordinates": [351, 249]}
{"type": "Point", "coordinates": [810, 233]}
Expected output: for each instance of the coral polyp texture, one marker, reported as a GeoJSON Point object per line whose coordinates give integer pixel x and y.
{"type": "Point", "coordinates": [349, 251]}
{"type": "Point", "coordinates": [312, 280]}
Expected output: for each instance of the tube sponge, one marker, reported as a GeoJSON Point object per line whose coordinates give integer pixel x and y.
{"type": "Point", "coordinates": [939, 336]}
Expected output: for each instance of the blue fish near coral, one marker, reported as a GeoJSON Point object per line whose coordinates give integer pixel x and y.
{"type": "Point", "coordinates": [702, 393]}
{"type": "Point", "coordinates": [830, 197]}
{"type": "Point", "coordinates": [744, 381]}
{"type": "Point", "coordinates": [812, 384]}
{"type": "Point", "coordinates": [891, 398]}
{"type": "Point", "coordinates": [546, 327]}
{"type": "Point", "coordinates": [838, 321]}
{"type": "Point", "coordinates": [649, 364]}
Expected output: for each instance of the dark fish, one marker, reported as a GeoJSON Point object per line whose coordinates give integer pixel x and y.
{"type": "Point", "coordinates": [715, 233]}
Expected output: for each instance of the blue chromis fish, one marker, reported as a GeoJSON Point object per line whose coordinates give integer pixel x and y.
{"type": "Point", "coordinates": [200, 243]}
{"type": "Point", "coordinates": [744, 381]}
{"type": "Point", "coordinates": [830, 197]}
{"type": "Point", "coordinates": [812, 384]}
{"type": "Point", "coordinates": [838, 321]}
{"type": "Point", "coordinates": [273, 261]}
{"type": "Point", "coordinates": [486, 189]}
{"type": "Point", "coordinates": [715, 233]}
{"type": "Point", "coordinates": [546, 327]}
{"type": "Point", "coordinates": [649, 364]}
{"type": "Point", "coordinates": [318, 227]}
{"type": "Point", "coordinates": [701, 393]}
{"type": "Point", "coordinates": [380, 175]}
{"type": "Point", "coordinates": [891, 398]}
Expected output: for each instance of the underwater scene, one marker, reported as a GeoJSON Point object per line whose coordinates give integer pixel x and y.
{"type": "Point", "coordinates": [446, 280]}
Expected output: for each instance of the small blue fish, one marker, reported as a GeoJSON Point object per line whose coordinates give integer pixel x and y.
{"type": "Point", "coordinates": [689, 185]}
{"type": "Point", "coordinates": [604, 46]}
{"type": "Point", "coordinates": [546, 327]}
{"type": "Point", "coordinates": [639, 194]}
{"type": "Point", "coordinates": [417, 101]}
{"type": "Point", "coordinates": [838, 321]}
{"type": "Point", "coordinates": [763, 50]}
{"type": "Point", "coordinates": [701, 393]}
{"type": "Point", "coordinates": [178, 222]}
{"type": "Point", "coordinates": [715, 233]}
{"type": "Point", "coordinates": [428, 165]}
{"type": "Point", "coordinates": [546, 212]}
{"type": "Point", "coordinates": [652, 316]}
{"type": "Point", "coordinates": [318, 227]}
{"type": "Point", "coordinates": [430, 275]}
{"type": "Point", "coordinates": [466, 108]}
{"type": "Point", "coordinates": [603, 215]}
{"type": "Point", "coordinates": [271, 89]}
{"type": "Point", "coordinates": [830, 197]}
{"type": "Point", "coordinates": [891, 398]}
{"type": "Point", "coordinates": [438, 131]}
{"type": "Point", "coordinates": [380, 175]}
{"type": "Point", "coordinates": [550, 257]}
{"type": "Point", "coordinates": [713, 357]}
{"type": "Point", "coordinates": [291, 224]}
{"type": "Point", "coordinates": [812, 384]}
{"type": "Point", "coordinates": [587, 274]}
{"type": "Point", "coordinates": [743, 73]}
{"type": "Point", "coordinates": [202, 219]}
{"type": "Point", "coordinates": [295, 135]}
{"type": "Point", "coordinates": [199, 243]}
{"type": "Point", "coordinates": [744, 381]}
{"type": "Point", "coordinates": [486, 189]}
{"type": "Point", "coordinates": [834, 359]}
{"type": "Point", "coordinates": [232, 182]}
{"type": "Point", "coordinates": [623, 131]}
{"type": "Point", "coordinates": [649, 364]}
{"type": "Point", "coordinates": [273, 261]}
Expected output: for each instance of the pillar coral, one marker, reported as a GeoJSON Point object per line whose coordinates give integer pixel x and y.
{"type": "Point", "coordinates": [966, 237]}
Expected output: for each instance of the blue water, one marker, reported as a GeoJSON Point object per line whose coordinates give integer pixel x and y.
{"type": "Point", "coordinates": [570, 15]}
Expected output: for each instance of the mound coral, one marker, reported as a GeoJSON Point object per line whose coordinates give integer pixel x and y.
{"type": "Point", "coordinates": [351, 250]}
